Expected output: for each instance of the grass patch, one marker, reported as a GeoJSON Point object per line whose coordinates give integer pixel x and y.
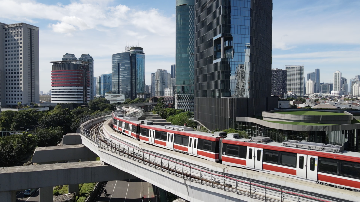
{"type": "Point", "coordinates": [314, 113]}
{"type": "Point", "coordinates": [60, 190]}
{"type": "Point", "coordinates": [85, 190]}
{"type": "Point", "coordinates": [301, 123]}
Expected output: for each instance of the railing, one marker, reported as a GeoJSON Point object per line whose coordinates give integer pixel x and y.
{"type": "Point", "coordinates": [195, 173]}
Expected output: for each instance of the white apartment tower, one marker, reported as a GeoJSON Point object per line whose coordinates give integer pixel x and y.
{"type": "Point", "coordinates": [295, 79]}
{"type": "Point", "coordinates": [310, 87]}
{"type": "Point", "coordinates": [337, 84]}
{"type": "Point", "coordinates": [19, 64]}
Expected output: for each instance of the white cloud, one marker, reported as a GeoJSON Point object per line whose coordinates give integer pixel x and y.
{"type": "Point", "coordinates": [63, 27]}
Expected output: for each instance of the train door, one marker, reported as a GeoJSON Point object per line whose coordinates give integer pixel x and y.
{"type": "Point", "coordinates": [151, 136]}
{"type": "Point", "coordinates": [192, 146]}
{"type": "Point", "coordinates": [170, 140]}
{"type": "Point", "coordinates": [254, 157]}
{"type": "Point", "coordinates": [307, 166]}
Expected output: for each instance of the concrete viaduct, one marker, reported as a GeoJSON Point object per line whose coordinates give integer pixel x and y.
{"type": "Point", "coordinates": [188, 177]}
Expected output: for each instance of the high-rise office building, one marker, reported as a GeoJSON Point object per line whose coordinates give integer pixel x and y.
{"type": "Point", "coordinates": [105, 86]}
{"type": "Point", "coordinates": [70, 82]}
{"type": "Point", "coordinates": [173, 71]}
{"type": "Point", "coordinates": [295, 79]}
{"type": "Point", "coordinates": [98, 86]}
{"type": "Point", "coordinates": [19, 64]}
{"type": "Point", "coordinates": [128, 72]}
{"type": "Point", "coordinates": [94, 86]}
{"type": "Point", "coordinates": [317, 81]}
{"type": "Point", "coordinates": [152, 93]}
{"type": "Point", "coordinates": [69, 57]}
{"type": "Point", "coordinates": [344, 86]}
{"type": "Point", "coordinates": [311, 76]}
{"type": "Point", "coordinates": [352, 82]}
{"type": "Point", "coordinates": [278, 82]}
{"type": "Point", "coordinates": [162, 81]}
{"type": "Point", "coordinates": [233, 51]}
{"type": "Point", "coordinates": [326, 88]}
{"type": "Point", "coordinates": [185, 39]}
{"type": "Point", "coordinates": [90, 60]}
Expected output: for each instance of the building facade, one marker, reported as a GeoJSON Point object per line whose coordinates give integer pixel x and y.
{"type": "Point", "coordinates": [128, 72]}
{"type": "Point", "coordinates": [352, 82]}
{"type": "Point", "coordinates": [233, 51]}
{"type": "Point", "coordinates": [162, 81]}
{"type": "Point", "coordinates": [87, 58]}
{"type": "Point", "coordinates": [70, 82]}
{"type": "Point", "coordinates": [278, 82]}
{"type": "Point", "coordinates": [295, 80]}
{"type": "Point", "coordinates": [326, 88]}
{"type": "Point", "coordinates": [185, 39]}
{"type": "Point", "coordinates": [19, 64]}
{"type": "Point", "coordinates": [173, 71]}
{"type": "Point", "coordinates": [105, 85]}
{"type": "Point", "coordinates": [337, 83]}
{"type": "Point", "coordinates": [152, 93]}
{"type": "Point", "coordinates": [317, 81]}
{"type": "Point", "coordinates": [310, 87]}
{"type": "Point", "coordinates": [344, 86]}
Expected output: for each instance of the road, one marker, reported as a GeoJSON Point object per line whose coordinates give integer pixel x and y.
{"type": "Point", "coordinates": [128, 191]}
{"type": "Point", "coordinates": [34, 198]}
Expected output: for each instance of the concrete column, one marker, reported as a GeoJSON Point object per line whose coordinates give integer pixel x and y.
{"type": "Point", "coordinates": [74, 188]}
{"type": "Point", "coordinates": [8, 196]}
{"type": "Point", "coordinates": [46, 194]}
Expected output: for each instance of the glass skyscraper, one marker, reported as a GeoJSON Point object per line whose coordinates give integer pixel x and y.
{"type": "Point", "coordinates": [233, 50]}
{"type": "Point", "coordinates": [128, 72]}
{"type": "Point", "coordinates": [185, 38]}
{"type": "Point", "coordinates": [105, 85]}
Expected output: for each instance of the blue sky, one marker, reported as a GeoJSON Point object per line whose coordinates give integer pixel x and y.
{"type": "Point", "coordinates": [321, 34]}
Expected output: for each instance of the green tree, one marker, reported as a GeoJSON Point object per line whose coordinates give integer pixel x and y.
{"type": "Point", "coordinates": [241, 133]}
{"type": "Point", "coordinates": [182, 119]}
{"type": "Point", "coordinates": [57, 117]}
{"type": "Point", "coordinates": [6, 119]}
{"type": "Point", "coordinates": [101, 104]}
{"type": "Point", "coordinates": [25, 120]}
{"type": "Point", "coordinates": [49, 137]}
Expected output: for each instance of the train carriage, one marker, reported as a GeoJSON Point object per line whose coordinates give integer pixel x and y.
{"type": "Point", "coordinates": [341, 170]}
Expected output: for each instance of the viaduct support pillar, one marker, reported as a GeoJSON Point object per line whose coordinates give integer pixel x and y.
{"type": "Point", "coordinates": [74, 188]}
{"type": "Point", "coordinates": [8, 196]}
{"type": "Point", "coordinates": [46, 194]}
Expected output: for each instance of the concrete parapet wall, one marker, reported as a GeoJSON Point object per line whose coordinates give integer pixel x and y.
{"type": "Point", "coordinates": [44, 155]}
{"type": "Point", "coordinates": [325, 119]}
{"type": "Point", "coordinates": [49, 175]}
{"type": "Point", "coordinates": [71, 139]}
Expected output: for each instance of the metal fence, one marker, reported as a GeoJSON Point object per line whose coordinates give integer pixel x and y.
{"type": "Point", "coordinates": [195, 173]}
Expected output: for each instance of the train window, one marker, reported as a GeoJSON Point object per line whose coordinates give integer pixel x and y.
{"type": "Point", "coordinates": [144, 132]}
{"type": "Point", "coordinates": [126, 126]}
{"type": "Point", "coordinates": [271, 156]}
{"type": "Point", "coordinates": [200, 144]}
{"type": "Point", "coordinates": [242, 151]}
{"type": "Point", "coordinates": [350, 169]}
{"type": "Point", "coordinates": [163, 136]}
{"type": "Point", "coordinates": [232, 150]}
{"type": "Point", "coordinates": [157, 135]}
{"type": "Point", "coordinates": [288, 159]}
{"type": "Point", "coordinates": [178, 139]}
{"type": "Point", "coordinates": [250, 153]}
{"type": "Point", "coordinates": [120, 123]}
{"type": "Point", "coordinates": [207, 145]}
{"type": "Point", "coordinates": [133, 128]}
{"type": "Point", "coordinates": [185, 140]}
{"type": "Point", "coordinates": [328, 166]}
{"type": "Point", "coordinates": [301, 162]}
{"type": "Point", "coordinates": [312, 163]}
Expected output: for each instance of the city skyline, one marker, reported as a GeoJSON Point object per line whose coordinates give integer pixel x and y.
{"type": "Point", "coordinates": [303, 33]}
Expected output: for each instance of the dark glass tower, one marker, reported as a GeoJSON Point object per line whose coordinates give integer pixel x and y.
{"type": "Point", "coordinates": [233, 48]}
{"type": "Point", "coordinates": [185, 30]}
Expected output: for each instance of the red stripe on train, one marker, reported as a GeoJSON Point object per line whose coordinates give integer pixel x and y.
{"type": "Point", "coordinates": [160, 142]}
{"type": "Point", "coordinates": [279, 169]}
{"type": "Point", "coordinates": [207, 154]}
{"type": "Point", "coordinates": [144, 138]}
{"type": "Point", "coordinates": [233, 160]}
{"type": "Point", "coordinates": [178, 147]}
{"type": "Point", "coordinates": [340, 181]}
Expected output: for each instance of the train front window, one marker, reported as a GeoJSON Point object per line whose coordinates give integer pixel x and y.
{"type": "Point", "coordinates": [312, 163]}
{"type": "Point", "coordinates": [301, 162]}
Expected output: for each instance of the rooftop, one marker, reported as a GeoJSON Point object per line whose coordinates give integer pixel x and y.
{"type": "Point", "coordinates": [311, 113]}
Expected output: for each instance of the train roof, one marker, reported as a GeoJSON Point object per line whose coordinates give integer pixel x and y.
{"type": "Point", "coordinates": [345, 155]}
